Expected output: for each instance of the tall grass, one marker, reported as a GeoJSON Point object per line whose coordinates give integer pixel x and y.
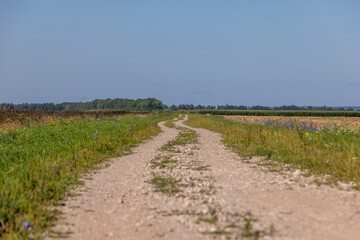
{"type": "Point", "coordinates": [335, 152]}
{"type": "Point", "coordinates": [39, 164]}
{"type": "Point", "coordinates": [10, 118]}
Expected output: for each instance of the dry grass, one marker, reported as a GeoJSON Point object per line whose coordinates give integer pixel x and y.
{"type": "Point", "coordinates": [319, 121]}
{"type": "Point", "coordinates": [13, 119]}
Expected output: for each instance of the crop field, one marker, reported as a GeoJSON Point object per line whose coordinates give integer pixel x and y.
{"type": "Point", "coordinates": [281, 113]}
{"type": "Point", "coordinates": [41, 162]}
{"type": "Point", "coordinates": [15, 118]}
{"type": "Point", "coordinates": [353, 122]}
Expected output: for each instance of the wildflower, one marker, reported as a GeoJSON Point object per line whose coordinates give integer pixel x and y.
{"type": "Point", "coordinates": [307, 134]}
{"type": "Point", "coordinates": [26, 224]}
{"type": "Point", "coordinates": [96, 133]}
{"type": "Point", "coordinates": [317, 131]}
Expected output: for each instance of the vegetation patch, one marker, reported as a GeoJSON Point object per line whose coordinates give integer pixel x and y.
{"type": "Point", "coordinates": [170, 124]}
{"type": "Point", "coordinates": [163, 162]}
{"type": "Point", "coordinates": [212, 219]}
{"type": "Point", "coordinates": [202, 168]}
{"type": "Point", "coordinates": [165, 184]}
{"type": "Point", "coordinates": [185, 137]}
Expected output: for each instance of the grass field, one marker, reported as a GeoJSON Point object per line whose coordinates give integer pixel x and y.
{"type": "Point", "coordinates": [334, 151]}
{"type": "Point", "coordinates": [39, 164]}
{"type": "Point", "coordinates": [10, 119]}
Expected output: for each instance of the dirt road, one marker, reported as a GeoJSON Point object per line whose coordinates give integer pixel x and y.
{"type": "Point", "coordinates": [184, 184]}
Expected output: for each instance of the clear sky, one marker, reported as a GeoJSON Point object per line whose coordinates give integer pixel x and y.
{"type": "Point", "coordinates": [190, 51]}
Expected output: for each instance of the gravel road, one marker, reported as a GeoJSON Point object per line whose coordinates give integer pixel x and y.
{"type": "Point", "coordinates": [200, 190]}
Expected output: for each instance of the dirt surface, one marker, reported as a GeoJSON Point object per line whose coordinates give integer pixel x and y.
{"type": "Point", "coordinates": [189, 186]}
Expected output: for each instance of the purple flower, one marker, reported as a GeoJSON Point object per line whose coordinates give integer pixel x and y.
{"type": "Point", "coordinates": [26, 224]}
{"type": "Point", "coordinates": [96, 133]}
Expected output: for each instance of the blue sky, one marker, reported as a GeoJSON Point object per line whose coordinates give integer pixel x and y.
{"type": "Point", "coordinates": [202, 52]}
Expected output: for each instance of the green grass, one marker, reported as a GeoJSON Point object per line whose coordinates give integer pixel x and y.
{"type": "Point", "coordinates": [162, 162]}
{"type": "Point", "coordinates": [170, 124]}
{"type": "Point", "coordinates": [212, 219]}
{"type": "Point", "coordinates": [335, 153]}
{"type": "Point", "coordinates": [39, 164]}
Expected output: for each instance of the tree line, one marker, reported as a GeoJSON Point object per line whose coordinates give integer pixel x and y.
{"type": "Point", "coordinates": [148, 104]}
{"type": "Point", "coordinates": [256, 107]}
{"type": "Point", "coordinates": [151, 104]}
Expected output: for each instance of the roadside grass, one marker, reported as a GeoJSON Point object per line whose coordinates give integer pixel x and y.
{"type": "Point", "coordinates": [335, 152]}
{"type": "Point", "coordinates": [11, 119]}
{"type": "Point", "coordinates": [39, 165]}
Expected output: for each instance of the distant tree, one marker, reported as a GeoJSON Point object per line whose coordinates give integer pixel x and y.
{"type": "Point", "coordinates": [258, 107]}
{"type": "Point", "coordinates": [148, 104]}
{"type": "Point", "coordinates": [210, 107]}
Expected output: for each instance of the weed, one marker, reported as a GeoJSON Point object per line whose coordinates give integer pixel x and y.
{"type": "Point", "coordinates": [162, 162]}
{"type": "Point", "coordinates": [272, 230]}
{"type": "Point", "coordinates": [202, 168]}
{"type": "Point", "coordinates": [248, 230]}
{"type": "Point", "coordinates": [212, 219]}
{"type": "Point", "coordinates": [165, 184]}
{"type": "Point", "coordinates": [218, 232]}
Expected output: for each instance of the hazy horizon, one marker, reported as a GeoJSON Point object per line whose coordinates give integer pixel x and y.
{"type": "Point", "coordinates": [190, 52]}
